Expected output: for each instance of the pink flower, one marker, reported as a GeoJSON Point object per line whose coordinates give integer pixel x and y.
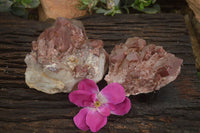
{"type": "Point", "coordinates": [98, 105]}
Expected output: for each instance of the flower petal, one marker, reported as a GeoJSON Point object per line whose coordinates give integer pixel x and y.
{"type": "Point", "coordinates": [88, 85]}
{"type": "Point", "coordinates": [81, 98]}
{"type": "Point", "coordinates": [111, 106]}
{"type": "Point", "coordinates": [104, 110]}
{"type": "Point", "coordinates": [122, 108]}
{"type": "Point", "coordinates": [80, 119]}
{"type": "Point", "coordinates": [114, 93]}
{"type": "Point", "coordinates": [95, 120]}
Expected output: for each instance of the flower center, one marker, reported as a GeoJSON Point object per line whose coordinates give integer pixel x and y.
{"type": "Point", "coordinates": [97, 104]}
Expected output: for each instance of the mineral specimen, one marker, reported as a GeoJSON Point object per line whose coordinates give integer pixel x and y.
{"type": "Point", "coordinates": [142, 68]}
{"type": "Point", "coordinates": [62, 56]}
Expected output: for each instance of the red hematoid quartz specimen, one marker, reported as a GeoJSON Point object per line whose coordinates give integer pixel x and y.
{"type": "Point", "coordinates": [62, 56]}
{"type": "Point", "coordinates": [142, 68]}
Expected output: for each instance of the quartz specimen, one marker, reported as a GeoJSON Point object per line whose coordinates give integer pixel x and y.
{"type": "Point", "coordinates": [62, 56]}
{"type": "Point", "coordinates": [142, 68]}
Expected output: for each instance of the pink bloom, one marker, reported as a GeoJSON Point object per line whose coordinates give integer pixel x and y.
{"type": "Point", "coordinates": [98, 105]}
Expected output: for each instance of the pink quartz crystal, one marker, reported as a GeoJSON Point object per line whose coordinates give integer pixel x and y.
{"type": "Point", "coordinates": [142, 68]}
{"type": "Point", "coordinates": [62, 56]}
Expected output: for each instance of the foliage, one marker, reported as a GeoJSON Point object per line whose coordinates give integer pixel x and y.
{"type": "Point", "coordinates": [108, 7]}
{"type": "Point", "coordinates": [111, 7]}
{"type": "Point", "coordinates": [18, 7]}
{"type": "Point", "coordinates": [143, 6]}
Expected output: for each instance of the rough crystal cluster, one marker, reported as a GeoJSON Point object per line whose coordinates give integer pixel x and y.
{"type": "Point", "coordinates": [62, 56]}
{"type": "Point", "coordinates": [142, 68]}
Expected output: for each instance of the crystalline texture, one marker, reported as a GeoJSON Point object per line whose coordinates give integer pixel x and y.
{"type": "Point", "coordinates": [62, 56]}
{"type": "Point", "coordinates": [142, 68]}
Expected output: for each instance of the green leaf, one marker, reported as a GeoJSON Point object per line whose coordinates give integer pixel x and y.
{"type": "Point", "coordinates": [153, 1]}
{"type": "Point", "coordinates": [103, 1]}
{"type": "Point", "coordinates": [108, 12]}
{"type": "Point", "coordinates": [83, 7]}
{"type": "Point", "coordinates": [92, 3]}
{"type": "Point", "coordinates": [26, 2]}
{"type": "Point", "coordinates": [136, 2]}
{"type": "Point", "coordinates": [33, 4]}
{"type": "Point", "coordinates": [112, 12]}
{"type": "Point", "coordinates": [147, 3]}
{"type": "Point", "coordinates": [133, 5]}
{"type": "Point", "coordinates": [101, 10]}
{"type": "Point", "coordinates": [19, 10]}
{"type": "Point", "coordinates": [116, 8]}
{"type": "Point", "coordinates": [5, 5]}
{"type": "Point", "coordinates": [85, 2]}
{"type": "Point", "coordinates": [127, 10]}
{"type": "Point", "coordinates": [152, 10]}
{"type": "Point", "coordinates": [118, 11]}
{"type": "Point", "coordinates": [141, 6]}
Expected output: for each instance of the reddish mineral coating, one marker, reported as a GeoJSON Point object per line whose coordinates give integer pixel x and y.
{"type": "Point", "coordinates": [64, 36]}
{"type": "Point", "coordinates": [62, 56]}
{"type": "Point", "coordinates": [142, 68]}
